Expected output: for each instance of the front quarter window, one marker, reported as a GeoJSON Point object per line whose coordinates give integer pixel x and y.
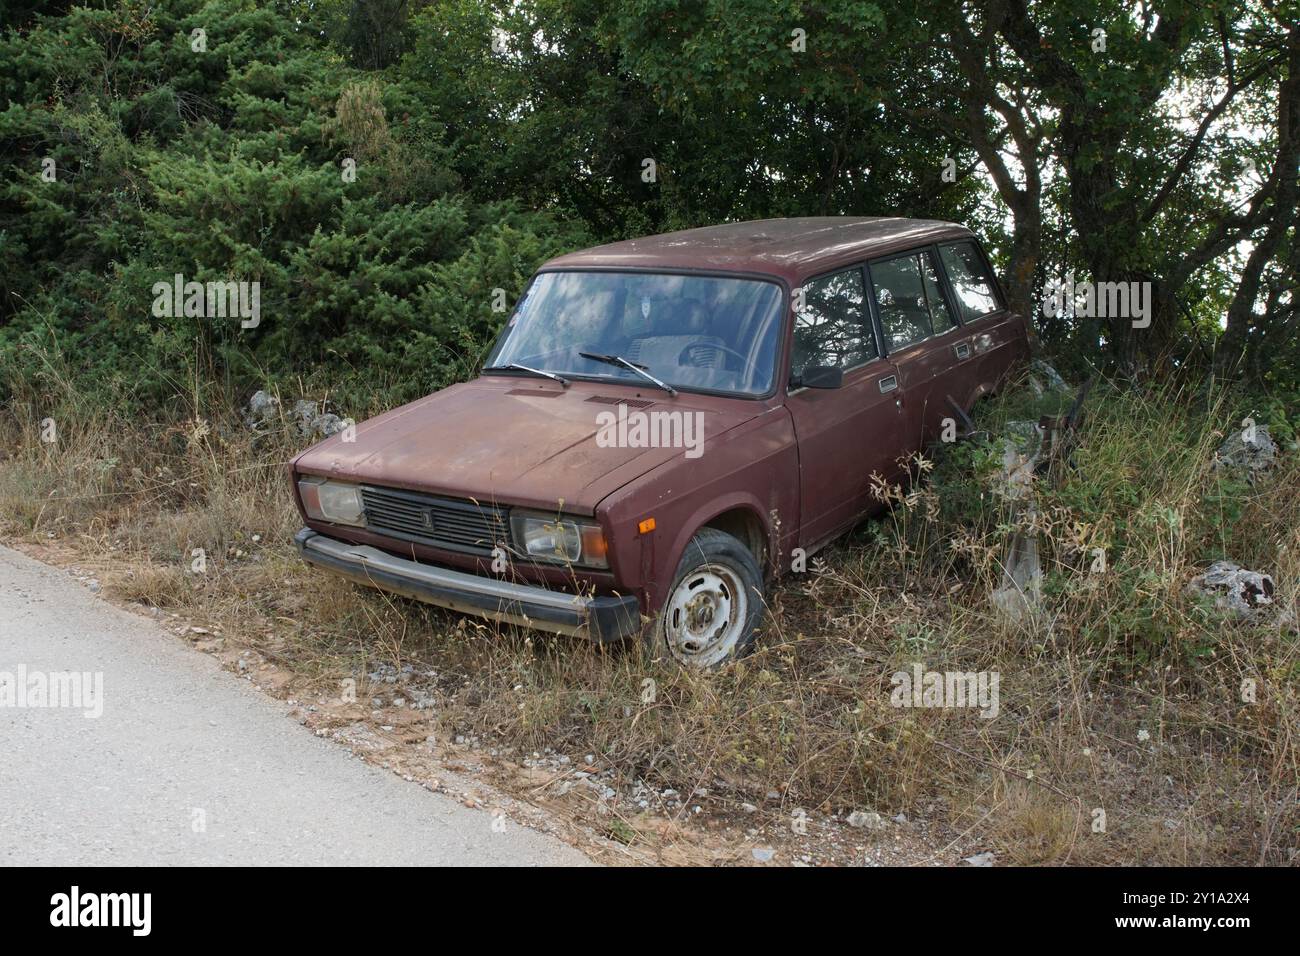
{"type": "Point", "coordinates": [710, 333]}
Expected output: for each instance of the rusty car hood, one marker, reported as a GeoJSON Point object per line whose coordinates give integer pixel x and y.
{"type": "Point", "coordinates": [513, 440]}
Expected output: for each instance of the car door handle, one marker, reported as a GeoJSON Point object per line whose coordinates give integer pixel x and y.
{"type": "Point", "coordinates": [888, 383]}
{"type": "Point", "coordinates": [962, 349]}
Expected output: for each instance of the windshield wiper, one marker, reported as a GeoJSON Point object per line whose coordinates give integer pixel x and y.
{"type": "Point", "coordinates": [639, 369]}
{"type": "Point", "coordinates": [516, 367]}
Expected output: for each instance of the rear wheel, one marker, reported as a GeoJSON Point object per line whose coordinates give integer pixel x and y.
{"type": "Point", "coordinates": [715, 603]}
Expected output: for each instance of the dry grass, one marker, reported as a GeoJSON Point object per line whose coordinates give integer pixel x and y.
{"type": "Point", "coordinates": [1122, 697]}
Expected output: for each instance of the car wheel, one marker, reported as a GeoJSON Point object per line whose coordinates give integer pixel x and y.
{"type": "Point", "coordinates": [715, 603]}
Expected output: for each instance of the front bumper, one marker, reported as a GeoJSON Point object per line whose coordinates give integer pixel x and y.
{"type": "Point", "coordinates": [600, 618]}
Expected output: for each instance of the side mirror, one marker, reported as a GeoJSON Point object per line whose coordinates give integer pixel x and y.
{"type": "Point", "coordinates": [822, 376]}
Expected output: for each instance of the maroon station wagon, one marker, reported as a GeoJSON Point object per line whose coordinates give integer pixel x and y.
{"type": "Point", "coordinates": [665, 426]}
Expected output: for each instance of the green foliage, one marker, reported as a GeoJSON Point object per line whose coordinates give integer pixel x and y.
{"type": "Point", "coordinates": [227, 164]}
{"type": "Point", "coordinates": [1139, 489]}
{"type": "Point", "coordinates": [487, 136]}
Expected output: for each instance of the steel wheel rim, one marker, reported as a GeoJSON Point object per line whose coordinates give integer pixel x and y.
{"type": "Point", "coordinates": [705, 615]}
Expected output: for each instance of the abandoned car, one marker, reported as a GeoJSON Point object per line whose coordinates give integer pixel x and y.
{"type": "Point", "coordinates": [665, 426]}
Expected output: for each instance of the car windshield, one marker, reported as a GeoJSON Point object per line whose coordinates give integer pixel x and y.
{"type": "Point", "coordinates": [690, 331]}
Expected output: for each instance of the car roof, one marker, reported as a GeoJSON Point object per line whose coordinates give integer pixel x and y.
{"type": "Point", "coordinates": [792, 249]}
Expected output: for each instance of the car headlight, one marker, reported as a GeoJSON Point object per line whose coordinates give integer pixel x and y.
{"type": "Point", "coordinates": [561, 540]}
{"type": "Point", "coordinates": [338, 502]}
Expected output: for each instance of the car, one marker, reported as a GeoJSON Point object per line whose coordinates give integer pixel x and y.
{"type": "Point", "coordinates": [666, 426]}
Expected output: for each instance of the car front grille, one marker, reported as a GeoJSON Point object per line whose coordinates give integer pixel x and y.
{"type": "Point", "coordinates": [451, 523]}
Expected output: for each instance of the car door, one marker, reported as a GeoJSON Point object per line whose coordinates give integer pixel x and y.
{"type": "Point", "coordinates": [848, 433]}
{"type": "Point", "coordinates": [921, 336]}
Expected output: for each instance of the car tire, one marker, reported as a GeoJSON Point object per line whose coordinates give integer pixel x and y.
{"type": "Point", "coordinates": [713, 608]}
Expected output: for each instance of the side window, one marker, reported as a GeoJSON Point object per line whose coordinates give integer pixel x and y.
{"type": "Point", "coordinates": [832, 328]}
{"type": "Point", "coordinates": [900, 294]}
{"type": "Point", "coordinates": [971, 283]}
{"type": "Point", "coordinates": [940, 315]}
{"type": "Point", "coordinates": [910, 297]}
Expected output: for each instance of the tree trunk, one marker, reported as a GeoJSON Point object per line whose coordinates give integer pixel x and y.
{"type": "Point", "coordinates": [1232, 347]}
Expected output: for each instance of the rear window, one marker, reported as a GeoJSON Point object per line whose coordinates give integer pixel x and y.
{"type": "Point", "coordinates": [971, 283]}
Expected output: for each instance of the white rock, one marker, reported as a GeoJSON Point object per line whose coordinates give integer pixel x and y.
{"type": "Point", "coordinates": [1251, 449]}
{"type": "Point", "coordinates": [1234, 589]}
{"type": "Point", "coordinates": [866, 820]}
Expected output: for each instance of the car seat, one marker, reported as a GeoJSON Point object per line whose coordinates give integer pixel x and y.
{"type": "Point", "coordinates": [665, 351]}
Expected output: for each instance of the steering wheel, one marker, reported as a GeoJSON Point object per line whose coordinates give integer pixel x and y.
{"type": "Point", "coordinates": [685, 358]}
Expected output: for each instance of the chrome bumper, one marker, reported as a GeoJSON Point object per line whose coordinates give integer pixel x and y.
{"type": "Point", "coordinates": [600, 618]}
